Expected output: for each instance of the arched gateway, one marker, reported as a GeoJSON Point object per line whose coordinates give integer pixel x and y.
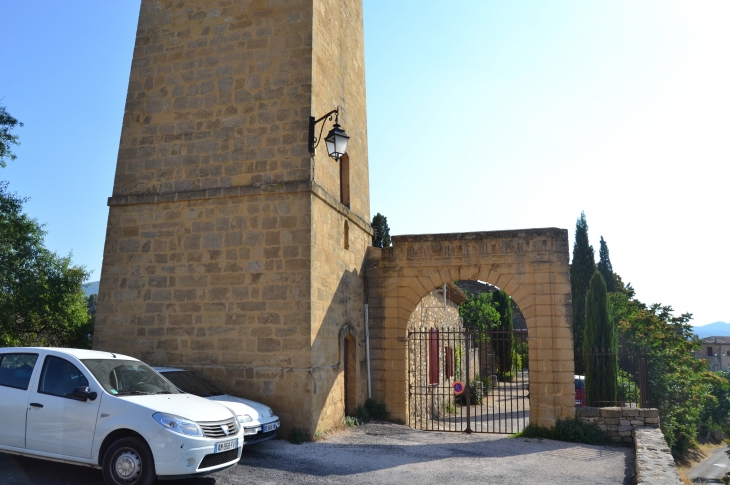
{"type": "Point", "coordinates": [530, 265]}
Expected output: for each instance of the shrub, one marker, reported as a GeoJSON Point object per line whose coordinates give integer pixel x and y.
{"type": "Point", "coordinates": [476, 393]}
{"type": "Point", "coordinates": [364, 413]}
{"type": "Point", "coordinates": [351, 421]}
{"type": "Point", "coordinates": [298, 436]}
{"type": "Point", "coordinates": [376, 410]}
{"type": "Point", "coordinates": [570, 430]}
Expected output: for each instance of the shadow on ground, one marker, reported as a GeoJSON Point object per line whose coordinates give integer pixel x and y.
{"type": "Point", "coordinates": [385, 453]}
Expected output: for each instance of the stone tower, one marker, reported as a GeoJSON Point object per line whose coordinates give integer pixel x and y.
{"type": "Point", "coordinates": [231, 249]}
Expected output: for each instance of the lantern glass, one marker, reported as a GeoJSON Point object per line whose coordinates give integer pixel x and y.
{"type": "Point", "coordinates": [336, 142]}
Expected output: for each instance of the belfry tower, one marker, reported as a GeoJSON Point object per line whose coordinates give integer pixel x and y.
{"type": "Point", "coordinates": [231, 249]}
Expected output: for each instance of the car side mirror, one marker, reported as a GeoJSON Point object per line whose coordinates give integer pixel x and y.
{"type": "Point", "coordinates": [82, 394]}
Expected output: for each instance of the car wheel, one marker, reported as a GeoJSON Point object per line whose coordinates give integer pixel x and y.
{"type": "Point", "coordinates": [129, 461]}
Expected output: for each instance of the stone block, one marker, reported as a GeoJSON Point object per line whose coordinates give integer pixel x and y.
{"type": "Point", "coordinates": [611, 412]}
{"type": "Point", "coordinates": [649, 413]}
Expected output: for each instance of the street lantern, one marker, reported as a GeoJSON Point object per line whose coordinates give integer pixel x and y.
{"type": "Point", "coordinates": [336, 140]}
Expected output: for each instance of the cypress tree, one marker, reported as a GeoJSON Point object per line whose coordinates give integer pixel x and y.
{"type": "Point", "coordinates": [381, 237]}
{"type": "Point", "coordinates": [581, 271]}
{"type": "Point", "coordinates": [605, 267]}
{"type": "Point", "coordinates": [600, 346]}
{"type": "Point", "coordinates": [504, 344]}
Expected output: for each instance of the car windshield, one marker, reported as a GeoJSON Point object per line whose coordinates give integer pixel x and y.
{"type": "Point", "coordinates": [128, 377]}
{"type": "Point", "coordinates": [188, 382]}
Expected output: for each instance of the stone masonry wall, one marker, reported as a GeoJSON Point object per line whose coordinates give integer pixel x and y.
{"type": "Point", "coordinates": [221, 287]}
{"type": "Point", "coordinates": [338, 282]}
{"type": "Point", "coordinates": [428, 401]}
{"type": "Point", "coordinates": [338, 296]}
{"type": "Point", "coordinates": [219, 96]}
{"type": "Point", "coordinates": [619, 423]}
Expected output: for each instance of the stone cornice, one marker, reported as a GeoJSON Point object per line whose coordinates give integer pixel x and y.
{"type": "Point", "coordinates": [244, 191]}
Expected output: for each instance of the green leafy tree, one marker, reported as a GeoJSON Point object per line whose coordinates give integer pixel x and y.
{"type": "Point", "coordinates": [504, 345]}
{"type": "Point", "coordinates": [7, 123]}
{"type": "Point", "coordinates": [478, 312]}
{"type": "Point", "coordinates": [41, 297]}
{"type": "Point", "coordinates": [715, 412]}
{"type": "Point", "coordinates": [91, 303]}
{"type": "Point", "coordinates": [581, 271]}
{"type": "Point", "coordinates": [381, 238]}
{"type": "Point", "coordinates": [605, 267]}
{"type": "Point", "coordinates": [600, 347]}
{"type": "Point", "coordinates": [678, 381]}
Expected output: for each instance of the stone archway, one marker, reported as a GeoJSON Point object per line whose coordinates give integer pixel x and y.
{"type": "Point", "coordinates": [530, 265]}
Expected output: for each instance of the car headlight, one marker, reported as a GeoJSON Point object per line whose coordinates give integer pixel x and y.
{"type": "Point", "coordinates": [245, 418]}
{"type": "Point", "coordinates": [179, 425]}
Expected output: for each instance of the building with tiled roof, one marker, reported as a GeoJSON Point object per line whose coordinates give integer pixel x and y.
{"type": "Point", "coordinates": [717, 351]}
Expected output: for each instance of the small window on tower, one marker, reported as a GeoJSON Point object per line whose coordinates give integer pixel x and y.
{"type": "Point", "coordinates": [347, 235]}
{"type": "Point", "coordinates": [345, 180]}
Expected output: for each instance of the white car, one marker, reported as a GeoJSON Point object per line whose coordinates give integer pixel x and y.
{"type": "Point", "coordinates": [112, 412]}
{"type": "Point", "coordinates": [257, 420]}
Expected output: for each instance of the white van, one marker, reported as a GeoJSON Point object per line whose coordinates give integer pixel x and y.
{"type": "Point", "coordinates": [113, 412]}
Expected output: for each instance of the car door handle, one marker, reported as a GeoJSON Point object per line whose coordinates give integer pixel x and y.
{"type": "Point", "coordinates": [36, 405]}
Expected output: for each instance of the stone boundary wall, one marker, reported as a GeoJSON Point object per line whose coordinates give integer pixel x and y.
{"type": "Point", "coordinates": [654, 462]}
{"type": "Point", "coordinates": [619, 423]}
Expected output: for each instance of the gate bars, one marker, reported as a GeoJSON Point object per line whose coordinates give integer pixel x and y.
{"type": "Point", "coordinates": [491, 365]}
{"type": "Point", "coordinates": [621, 377]}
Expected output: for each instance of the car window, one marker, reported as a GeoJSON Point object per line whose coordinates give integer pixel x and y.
{"type": "Point", "coordinates": [188, 382]}
{"type": "Point", "coordinates": [16, 369]}
{"type": "Point", "coordinates": [60, 377]}
{"type": "Point", "coordinates": [580, 384]}
{"type": "Point", "coordinates": [128, 377]}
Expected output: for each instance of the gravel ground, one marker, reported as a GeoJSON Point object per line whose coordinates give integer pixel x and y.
{"type": "Point", "coordinates": [387, 453]}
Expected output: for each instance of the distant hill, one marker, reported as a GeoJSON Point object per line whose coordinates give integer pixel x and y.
{"type": "Point", "coordinates": [717, 329]}
{"type": "Point", "coordinates": [91, 288]}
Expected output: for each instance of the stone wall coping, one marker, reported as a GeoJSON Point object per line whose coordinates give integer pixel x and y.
{"type": "Point", "coordinates": [654, 462]}
{"type": "Point", "coordinates": [547, 232]}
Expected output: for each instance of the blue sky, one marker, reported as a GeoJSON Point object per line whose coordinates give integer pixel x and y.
{"type": "Point", "coordinates": [481, 116]}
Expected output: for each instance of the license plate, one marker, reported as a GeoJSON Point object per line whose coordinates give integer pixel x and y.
{"type": "Point", "coordinates": [271, 427]}
{"type": "Point", "coordinates": [226, 446]}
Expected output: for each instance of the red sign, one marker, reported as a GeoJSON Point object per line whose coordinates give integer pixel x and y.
{"type": "Point", "coordinates": [458, 387]}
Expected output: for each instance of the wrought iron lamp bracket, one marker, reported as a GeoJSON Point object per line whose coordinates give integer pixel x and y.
{"type": "Point", "coordinates": [314, 140]}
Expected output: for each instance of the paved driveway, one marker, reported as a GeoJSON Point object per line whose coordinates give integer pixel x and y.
{"type": "Point", "coordinates": [384, 454]}
{"type": "Point", "coordinates": [712, 469]}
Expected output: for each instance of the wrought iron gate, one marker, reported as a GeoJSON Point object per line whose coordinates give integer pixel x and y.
{"type": "Point", "coordinates": [492, 368]}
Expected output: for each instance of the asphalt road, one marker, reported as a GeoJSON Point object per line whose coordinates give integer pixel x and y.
{"type": "Point", "coordinates": [711, 469]}
{"type": "Point", "coordinates": [383, 454]}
